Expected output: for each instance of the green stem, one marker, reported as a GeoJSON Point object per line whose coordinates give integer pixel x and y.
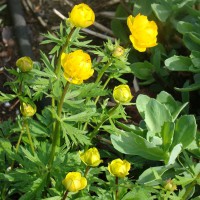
{"type": "Point", "coordinates": [65, 195]}
{"type": "Point", "coordinates": [86, 170]}
{"type": "Point", "coordinates": [116, 192]}
{"type": "Point", "coordinates": [58, 66]}
{"type": "Point", "coordinates": [29, 135]}
{"type": "Point", "coordinates": [17, 145]}
{"type": "Point", "coordinates": [105, 67]}
{"type": "Point", "coordinates": [110, 113]}
{"type": "Point", "coordinates": [56, 133]}
{"type": "Point", "coordinates": [105, 84]}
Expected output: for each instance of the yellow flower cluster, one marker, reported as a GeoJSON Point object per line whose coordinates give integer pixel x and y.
{"type": "Point", "coordinates": [74, 182]}
{"type": "Point", "coordinates": [143, 32]}
{"type": "Point", "coordinates": [82, 16]}
{"type": "Point", "coordinates": [122, 94]}
{"type": "Point", "coordinates": [77, 66]}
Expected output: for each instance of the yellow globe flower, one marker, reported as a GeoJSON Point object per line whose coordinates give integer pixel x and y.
{"type": "Point", "coordinates": [143, 32]}
{"type": "Point", "coordinates": [82, 16]}
{"type": "Point", "coordinates": [77, 66]}
{"type": "Point", "coordinates": [74, 182]}
{"type": "Point", "coordinates": [122, 94]}
{"type": "Point", "coordinates": [25, 64]}
{"type": "Point", "coordinates": [28, 110]}
{"type": "Point", "coordinates": [91, 157]}
{"type": "Point", "coordinates": [119, 168]}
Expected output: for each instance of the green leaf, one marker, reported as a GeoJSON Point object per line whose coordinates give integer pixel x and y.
{"type": "Point", "coordinates": [141, 103]}
{"type": "Point", "coordinates": [167, 133]}
{"type": "Point", "coordinates": [192, 41]}
{"type": "Point", "coordinates": [139, 193]}
{"type": "Point", "coordinates": [189, 88]}
{"type": "Point", "coordinates": [143, 70]}
{"type": "Point", "coordinates": [142, 6]}
{"type": "Point", "coordinates": [130, 143]}
{"type": "Point", "coordinates": [35, 189]}
{"type": "Point", "coordinates": [162, 11]}
{"type": "Point", "coordinates": [173, 106]}
{"type": "Point", "coordinates": [174, 154]}
{"type": "Point", "coordinates": [153, 175]}
{"type": "Point", "coordinates": [119, 26]}
{"type": "Point", "coordinates": [185, 130]}
{"type": "Point", "coordinates": [6, 97]}
{"type": "Point", "coordinates": [178, 63]}
{"type": "Point", "coordinates": [186, 27]}
{"type": "Point", "coordinates": [83, 116]}
{"type": "Point", "coordinates": [155, 116]}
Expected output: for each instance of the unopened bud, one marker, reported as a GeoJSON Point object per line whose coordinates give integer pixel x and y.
{"type": "Point", "coordinates": [118, 52]}
{"type": "Point", "coordinates": [25, 64]}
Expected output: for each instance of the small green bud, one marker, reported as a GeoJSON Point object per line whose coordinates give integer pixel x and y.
{"type": "Point", "coordinates": [170, 186]}
{"type": "Point", "coordinates": [25, 64]}
{"type": "Point", "coordinates": [118, 52]}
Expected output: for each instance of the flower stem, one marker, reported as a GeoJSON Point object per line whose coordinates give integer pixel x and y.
{"type": "Point", "coordinates": [29, 135]}
{"type": "Point", "coordinates": [116, 191]}
{"type": "Point", "coordinates": [17, 145]}
{"type": "Point", "coordinates": [58, 66]}
{"type": "Point", "coordinates": [56, 132]}
{"type": "Point", "coordinates": [105, 67]}
{"type": "Point", "coordinates": [86, 170]}
{"type": "Point", "coordinates": [65, 195]}
{"type": "Point", "coordinates": [105, 84]}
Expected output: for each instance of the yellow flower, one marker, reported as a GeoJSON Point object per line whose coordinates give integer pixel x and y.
{"type": "Point", "coordinates": [74, 182]}
{"type": "Point", "coordinates": [91, 157]}
{"type": "Point", "coordinates": [82, 16]}
{"type": "Point", "coordinates": [77, 66]}
{"type": "Point", "coordinates": [28, 110]}
{"type": "Point", "coordinates": [25, 64]}
{"type": "Point", "coordinates": [119, 168]}
{"type": "Point", "coordinates": [122, 94]}
{"type": "Point", "coordinates": [143, 32]}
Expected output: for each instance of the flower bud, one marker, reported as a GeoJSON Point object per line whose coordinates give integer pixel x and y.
{"type": "Point", "coordinates": [28, 110]}
{"type": "Point", "coordinates": [170, 186]}
{"type": "Point", "coordinates": [77, 66]}
{"type": "Point", "coordinates": [122, 94]}
{"type": "Point", "coordinates": [91, 157]}
{"type": "Point", "coordinates": [143, 32]}
{"type": "Point", "coordinates": [82, 16]}
{"type": "Point", "coordinates": [25, 64]}
{"type": "Point", "coordinates": [119, 168]}
{"type": "Point", "coordinates": [74, 182]}
{"type": "Point", "coordinates": [118, 52]}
